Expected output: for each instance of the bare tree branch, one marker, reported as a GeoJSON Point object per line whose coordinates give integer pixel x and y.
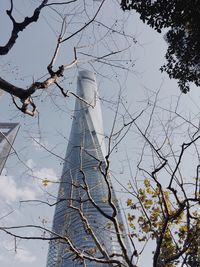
{"type": "Point", "coordinates": [20, 26]}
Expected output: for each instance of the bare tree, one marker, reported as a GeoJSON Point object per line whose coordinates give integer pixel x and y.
{"type": "Point", "coordinates": [82, 197]}
{"type": "Point", "coordinates": [85, 37]}
{"type": "Point", "coordinates": [88, 24]}
{"type": "Point", "coordinates": [163, 195]}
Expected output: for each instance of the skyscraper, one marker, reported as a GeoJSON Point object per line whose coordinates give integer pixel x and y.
{"type": "Point", "coordinates": [8, 132]}
{"type": "Point", "coordinates": [84, 212]}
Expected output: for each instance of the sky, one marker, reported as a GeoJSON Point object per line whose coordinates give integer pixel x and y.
{"type": "Point", "coordinates": [26, 62]}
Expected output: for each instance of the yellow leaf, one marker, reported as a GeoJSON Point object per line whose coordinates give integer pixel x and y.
{"type": "Point", "coordinates": [130, 217]}
{"type": "Point", "coordinates": [45, 182]}
{"type": "Point", "coordinates": [146, 182]}
{"type": "Point", "coordinates": [129, 202]}
{"type": "Point", "coordinates": [129, 185]}
{"type": "Point", "coordinates": [104, 199]}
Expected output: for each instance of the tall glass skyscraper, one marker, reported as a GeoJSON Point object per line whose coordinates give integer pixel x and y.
{"type": "Point", "coordinates": [82, 212]}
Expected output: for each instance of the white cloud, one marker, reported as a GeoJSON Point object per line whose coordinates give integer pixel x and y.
{"type": "Point", "coordinates": [30, 163]}
{"type": "Point", "coordinates": [25, 256]}
{"type": "Point", "coordinates": [39, 144]}
{"type": "Point", "coordinates": [1, 258]}
{"type": "Point", "coordinates": [11, 192]}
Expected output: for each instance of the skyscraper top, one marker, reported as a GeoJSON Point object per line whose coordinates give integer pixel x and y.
{"type": "Point", "coordinates": [90, 108]}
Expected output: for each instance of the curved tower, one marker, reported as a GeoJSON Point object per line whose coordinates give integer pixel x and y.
{"type": "Point", "coordinates": [82, 212]}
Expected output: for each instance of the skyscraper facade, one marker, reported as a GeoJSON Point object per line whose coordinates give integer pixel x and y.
{"type": "Point", "coordinates": [8, 132]}
{"type": "Point", "coordinates": [83, 212]}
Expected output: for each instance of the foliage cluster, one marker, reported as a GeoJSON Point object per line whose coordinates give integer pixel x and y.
{"type": "Point", "coordinates": [181, 20]}
{"type": "Point", "coordinates": [155, 216]}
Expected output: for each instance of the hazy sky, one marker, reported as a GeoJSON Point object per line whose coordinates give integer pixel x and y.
{"type": "Point", "coordinates": [26, 62]}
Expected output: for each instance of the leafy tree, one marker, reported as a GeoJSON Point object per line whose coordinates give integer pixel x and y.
{"type": "Point", "coordinates": [164, 207]}
{"type": "Point", "coordinates": [193, 258]}
{"type": "Point", "coordinates": [181, 20]}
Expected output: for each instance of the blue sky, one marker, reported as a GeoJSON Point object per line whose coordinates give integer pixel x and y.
{"type": "Point", "coordinates": [26, 62]}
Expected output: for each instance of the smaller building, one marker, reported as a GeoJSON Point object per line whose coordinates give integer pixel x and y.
{"type": "Point", "coordinates": [8, 132]}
